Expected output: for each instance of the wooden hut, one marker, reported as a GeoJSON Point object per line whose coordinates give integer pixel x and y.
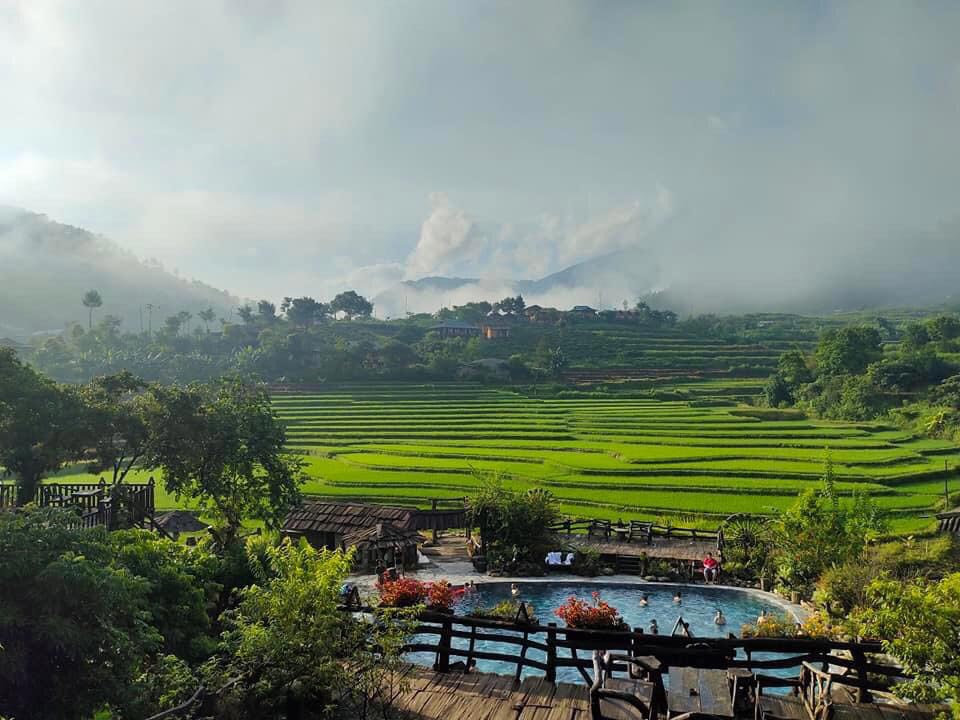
{"type": "Point", "coordinates": [494, 330]}
{"type": "Point", "coordinates": [384, 544]}
{"type": "Point", "coordinates": [327, 524]}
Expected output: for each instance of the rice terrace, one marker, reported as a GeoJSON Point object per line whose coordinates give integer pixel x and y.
{"type": "Point", "coordinates": [611, 458]}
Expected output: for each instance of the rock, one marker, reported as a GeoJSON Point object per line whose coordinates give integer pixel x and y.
{"type": "Point", "coordinates": [650, 578]}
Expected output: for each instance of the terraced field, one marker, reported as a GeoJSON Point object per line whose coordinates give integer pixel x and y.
{"type": "Point", "coordinates": [616, 458]}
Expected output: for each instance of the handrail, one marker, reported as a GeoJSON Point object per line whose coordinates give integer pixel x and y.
{"type": "Point", "coordinates": [676, 650]}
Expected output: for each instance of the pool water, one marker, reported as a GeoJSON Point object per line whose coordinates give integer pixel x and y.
{"type": "Point", "coordinates": [698, 607]}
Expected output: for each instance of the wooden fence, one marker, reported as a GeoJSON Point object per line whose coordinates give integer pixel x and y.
{"type": "Point", "coordinates": [97, 504]}
{"type": "Point", "coordinates": [634, 529]}
{"type": "Point", "coordinates": [563, 647]}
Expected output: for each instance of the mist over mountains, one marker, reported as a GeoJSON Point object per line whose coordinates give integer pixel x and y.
{"type": "Point", "coordinates": [45, 267]}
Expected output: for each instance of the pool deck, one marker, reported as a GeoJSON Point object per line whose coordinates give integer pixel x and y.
{"type": "Point", "coordinates": [481, 696]}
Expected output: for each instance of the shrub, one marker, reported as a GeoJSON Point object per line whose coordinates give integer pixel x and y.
{"type": "Point", "coordinates": [440, 595]}
{"type": "Point", "coordinates": [580, 614]}
{"type": "Point", "coordinates": [404, 592]}
{"type": "Point", "coordinates": [773, 626]}
{"type": "Point", "coordinates": [507, 610]}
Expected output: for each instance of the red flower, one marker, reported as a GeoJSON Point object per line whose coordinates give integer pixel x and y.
{"type": "Point", "coordinates": [577, 613]}
{"type": "Point", "coordinates": [404, 592]}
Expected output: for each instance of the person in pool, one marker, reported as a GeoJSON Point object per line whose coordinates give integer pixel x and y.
{"type": "Point", "coordinates": [719, 619]}
{"type": "Point", "coordinates": [763, 617]}
{"type": "Point", "coordinates": [644, 600]}
{"type": "Point", "coordinates": [678, 598]}
{"type": "Point", "coordinates": [514, 590]}
{"type": "Point", "coordinates": [654, 628]}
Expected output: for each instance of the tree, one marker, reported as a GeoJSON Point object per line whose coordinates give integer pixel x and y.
{"type": "Point", "coordinates": [352, 305]}
{"type": "Point", "coordinates": [116, 422]}
{"type": "Point", "coordinates": [246, 314]}
{"type": "Point", "coordinates": [943, 328]}
{"type": "Point", "coordinates": [91, 300]}
{"type": "Point", "coordinates": [42, 424]}
{"type": "Point", "coordinates": [303, 311]}
{"type": "Point", "coordinates": [72, 623]}
{"type": "Point", "coordinates": [514, 526]}
{"type": "Point", "coordinates": [221, 445]}
{"type": "Point", "coordinates": [848, 351]}
{"type": "Point", "coordinates": [915, 336]}
{"type": "Point", "coordinates": [819, 531]}
{"type": "Point", "coordinates": [792, 367]}
{"type": "Point", "coordinates": [777, 392]}
{"type": "Point", "coordinates": [207, 316]}
{"type": "Point", "coordinates": [267, 311]}
{"type": "Point", "coordinates": [917, 622]}
{"type": "Point", "coordinates": [288, 645]}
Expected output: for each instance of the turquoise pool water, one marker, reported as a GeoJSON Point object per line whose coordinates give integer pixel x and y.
{"type": "Point", "coordinates": [698, 607]}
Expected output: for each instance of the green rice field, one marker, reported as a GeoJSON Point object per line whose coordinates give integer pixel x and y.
{"type": "Point", "coordinates": [614, 458]}
{"type": "Point", "coordinates": [607, 458]}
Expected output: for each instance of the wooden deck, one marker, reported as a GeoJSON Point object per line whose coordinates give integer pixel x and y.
{"type": "Point", "coordinates": [482, 696]}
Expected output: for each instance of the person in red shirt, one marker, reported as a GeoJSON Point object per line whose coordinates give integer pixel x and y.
{"type": "Point", "coordinates": [711, 568]}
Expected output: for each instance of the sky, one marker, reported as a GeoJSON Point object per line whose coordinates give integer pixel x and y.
{"type": "Point", "coordinates": [279, 147]}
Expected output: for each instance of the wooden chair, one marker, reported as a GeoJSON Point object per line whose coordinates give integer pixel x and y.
{"type": "Point", "coordinates": [779, 707]}
{"type": "Point", "coordinates": [635, 697]}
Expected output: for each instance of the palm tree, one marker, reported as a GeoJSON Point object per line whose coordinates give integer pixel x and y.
{"type": "Point", "coordinates": [208, 316]}
{"type": "Point", "coordinates": [91, 300]}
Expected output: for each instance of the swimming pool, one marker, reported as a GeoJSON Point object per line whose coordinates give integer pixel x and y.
{"type": "Point", "coordinates": [698, 607]}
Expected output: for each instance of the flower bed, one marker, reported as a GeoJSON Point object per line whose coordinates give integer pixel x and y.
{"type": "Point", "coordinates": [599, 615]}
{"type": "Point", "coordinates": [408, 592]}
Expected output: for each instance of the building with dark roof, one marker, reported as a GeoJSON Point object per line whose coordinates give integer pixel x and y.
{"type": "Point", "coordinates": [456, 328]}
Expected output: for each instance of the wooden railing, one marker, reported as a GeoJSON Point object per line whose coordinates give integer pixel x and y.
{"type": "Point", "coordinates": [606, 528]}
{"type": "Point", "coordinates": [563, 647]}
{"type": "Point", "coordinates": [96, 504]}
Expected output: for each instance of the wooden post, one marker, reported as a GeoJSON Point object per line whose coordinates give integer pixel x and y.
{"type": "Point", "coordinates": [551, 675]}
{"type": "Point", "coordinates": [433, 531]}
{"type": "Point", "coordinates": [860, 660]}
{"type": "Point", "coordinates": [443, 647]}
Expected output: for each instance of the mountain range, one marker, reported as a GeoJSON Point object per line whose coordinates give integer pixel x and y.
{"type": "Point", "coordinates": [46, 267]}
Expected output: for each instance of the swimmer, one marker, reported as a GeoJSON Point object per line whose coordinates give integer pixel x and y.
{"type": "Point", "coordinates": [514, 590]}
{"type": "Point", "coordinates": [654, 628]}
{"type": "Point", "coordinates": [678, 598]}
{"type": "Point", "coordinates": [644, 600]}
{"type": "Point", "coordinates": [719, 619]}
{"type": "Point", "coordinates": [763, 617]}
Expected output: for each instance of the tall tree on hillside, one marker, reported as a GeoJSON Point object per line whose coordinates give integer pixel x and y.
{"type": "Point", "coordinates": [246, 313]}
{"type": "Point", "coordinates": [267, 311]}
{"type": "Point", "coordinates": [222, 446]}
{"type": "Point", "coordinates": [42, 424]}
{"type": "Point", "coordinates": [207, 316]}
{"type": "Point", "coordinates": [91, 300]}
{"type": "Point", "coordinates": [848, 351]}
{"type": "Point", "coordinates": [303, 311]}
{"type": "Point", "coordinates": [352, 305]}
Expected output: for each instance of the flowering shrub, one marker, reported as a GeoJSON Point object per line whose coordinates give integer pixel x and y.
{"type": "Point", "coordinates": [440, 594]}
{"type": "Point", "coordinates": [577, 613]}
{"type": "Point", "coordinates": [404, 592]}
{"type": "Point", "coordinates": [772, 627]}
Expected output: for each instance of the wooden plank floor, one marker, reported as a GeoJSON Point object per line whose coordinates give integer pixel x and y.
{"type": "Point", "coordinates": [483, 696]}
{"type": "Point", "coordinates": [668, 548]}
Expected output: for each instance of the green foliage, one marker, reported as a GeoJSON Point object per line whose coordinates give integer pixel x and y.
{"type": "Point", "coordinates": [818, 532]}
{"type": "Point", "coordinates": [917, 622]}
{"type": "Point", "coordinates": [351, 304]}
{"type": "Point", "coordinates": [221, 446]}
{"type": "Point", "coordinates": [115, 414]}
{"type": "Point", "coordinates": [74, 621]}
{"type": "Point", "coordinates": [514, 526]}
{"type": "Point", "coordinates": [848, 351]}
{"type": "Point", "coordinates": [42, 424]}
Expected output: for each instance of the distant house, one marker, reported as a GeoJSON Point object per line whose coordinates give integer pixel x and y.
{"type": "Point", "coordinates": [494, 330]}
{"type": "Point", "coordinates": [456, 328]}
{"type": "Point", "coordinates": [583, 311]}
{"type": "Point", "coordinates": [17, 347]}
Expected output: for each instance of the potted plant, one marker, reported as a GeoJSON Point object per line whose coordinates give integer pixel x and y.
{"type": "Point", "coordinates": [583, 615]}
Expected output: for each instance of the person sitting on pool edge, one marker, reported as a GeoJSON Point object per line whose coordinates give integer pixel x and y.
{"type": "Point", "coordinates": [678, 598]}
{"type": "Point", "coordinates": [711, 568]}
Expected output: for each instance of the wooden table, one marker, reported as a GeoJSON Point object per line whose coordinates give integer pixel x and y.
{"type": "Point", "coordinates": [700, 692]}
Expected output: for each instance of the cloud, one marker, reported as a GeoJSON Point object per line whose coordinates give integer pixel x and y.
{"type": "Point", "coordinates": [280, 148]}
